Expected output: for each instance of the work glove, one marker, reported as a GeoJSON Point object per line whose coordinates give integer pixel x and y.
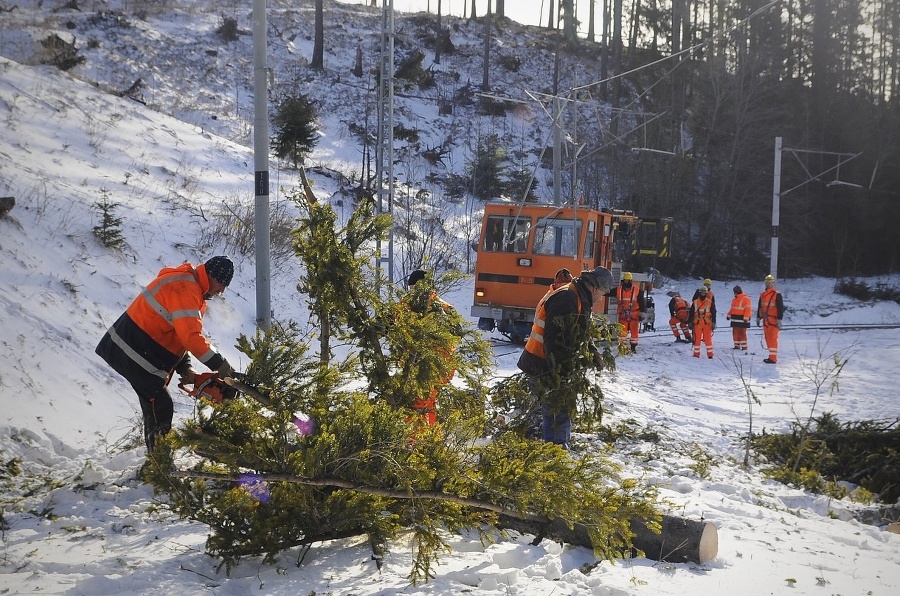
{"type": "Point", "coordinates": [224, 370]}
{"type": "Point", "coordinates": [758, 322]}
{"type": "Point", "coordinates": [187, 376]}
{"type": "Point", "coordinates": [727, 317]}
{"type": "Point", "coordinates": [778, 324]}
{"type": "Point", "coordinates": [713, 326]}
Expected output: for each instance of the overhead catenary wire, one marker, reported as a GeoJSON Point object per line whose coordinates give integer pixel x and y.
{"type": "Point", "coordinates": [706, 41]}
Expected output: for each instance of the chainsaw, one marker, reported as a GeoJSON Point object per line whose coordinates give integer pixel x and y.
{"type": "Point", "coordinates": [211, 388]}
{"type": "Point", "coordinates": [216, 390]}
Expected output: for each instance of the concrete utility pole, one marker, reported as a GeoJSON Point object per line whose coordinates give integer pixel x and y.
{"type": "Point", "coordinates": [261, 166]}
{"type": "Point", "coordinates": [776, 207]}
{"type": "Point", "coordinates": [777, 193]}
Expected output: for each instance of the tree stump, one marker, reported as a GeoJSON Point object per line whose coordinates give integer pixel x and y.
{"type": "Point", "coordinates": [6, 205]}
{"type": "Point", "coordinates": [680, 541]}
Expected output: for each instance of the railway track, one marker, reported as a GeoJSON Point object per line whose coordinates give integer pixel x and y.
{"type": "Point", "coordinates": [505, 343]}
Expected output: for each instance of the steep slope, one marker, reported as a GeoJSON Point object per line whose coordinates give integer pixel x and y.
{"type": "Point", "coordinates": [65, 147]}
{"type": "Point", "coordinates": [194, 61]}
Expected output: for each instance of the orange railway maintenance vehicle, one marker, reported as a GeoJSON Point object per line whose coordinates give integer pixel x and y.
{"type": "Point", "coordinates": [522, 246]}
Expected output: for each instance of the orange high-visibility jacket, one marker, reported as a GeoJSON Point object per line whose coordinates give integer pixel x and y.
{"type": "Point", "coordinates": [628, 303]}
{"type": "Point", "coordinates": [570, 299]}
{"type": "Point", "coordinates": [160, 327]}
{"type": "Point", "coordinates": [771, 306]}
{"type": "Point", "coordinates": [678, 308]}
{"type": "Point", "coordinates": [741, 311]}
{"type": "Point", "coordinates": [702, 312]}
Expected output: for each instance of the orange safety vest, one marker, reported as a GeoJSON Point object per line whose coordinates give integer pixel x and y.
{"type": "Point", "coordinates": [681, 312]}
{"type": "Point", "coordinates": [702, 311]}
{"type": "Point", "coordinates": [627, 306]}
{"type": "Point", "coordinates": [535, 343]}
{"type": "Point", "coordinates": [768, 306]}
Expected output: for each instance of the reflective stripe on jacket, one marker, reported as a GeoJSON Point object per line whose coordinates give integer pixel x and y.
{"type": "Point", "coordinates": [702, 312]}
{"type": "Point", "coordinates": [535, 343]}
{"type": "Point", "coordinates": [543, 343]}
{"type": "Point", "coordinates": [741, 311]}
{"type": "Point", "coordinates": [153, 336]}
{"type": "Point", "coordinates": [771, 306]}
{"type": "Point", "coordinates": [678, 308]}
{"type": "Point", "coordinates": [627, 303]}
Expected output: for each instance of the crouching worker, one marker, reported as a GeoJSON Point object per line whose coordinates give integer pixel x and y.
{"type": "Point", "coordinates": [550, 352]}
{"type": "Point", "coordinates": [678, 309]}
{"type": "Point", "coordinates": [155, 335]}
{"type": "Point", "coordinates": [424, 302]}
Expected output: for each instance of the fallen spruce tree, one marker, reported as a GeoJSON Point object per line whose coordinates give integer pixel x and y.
{"type": "Point", "coordinates": [818, 455]}
{"type": "Point", "coordinates": [318, 448]}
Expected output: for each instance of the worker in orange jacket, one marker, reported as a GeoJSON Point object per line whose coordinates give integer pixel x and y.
{"type": "Point", "coordinates": [155, 335]}
{"type": "Point", "coordinates": [678, 309]}
{"type": "Point", "coordinates": [709, 292]}
{"type": "Point", "coordinates": [427, 406]}
{"type": "Point", "coordinates": [739, 314]}
{"type": "Point", "coordinates": [769, 313]}
{"type": "Point", "coordinates": [547, 351]}
{"type": "Point", "coordinates": [702, 316]}
{"type": "Point", "coordinates": [629, 306]}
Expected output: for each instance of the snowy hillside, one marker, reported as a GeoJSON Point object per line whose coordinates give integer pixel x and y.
{"type": "Point", "coordinates": [78, 521]}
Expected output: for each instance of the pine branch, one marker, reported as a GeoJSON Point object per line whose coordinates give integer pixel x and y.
{"type": "Point", "coordinates": [371, 490]}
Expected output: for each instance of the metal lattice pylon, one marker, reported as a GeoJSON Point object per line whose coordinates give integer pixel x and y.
{"type": "Point", "coordinates": [384, 150]}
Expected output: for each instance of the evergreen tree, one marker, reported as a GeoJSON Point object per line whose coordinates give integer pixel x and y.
{"type": "Point", "coordinates": [109, 230]}
{"type": "Point", "coordinates": [295, 127]}
{"type": "Point", "coordinates": [487, 168]}
{"type": "Point", "coordinates": [317, 455]}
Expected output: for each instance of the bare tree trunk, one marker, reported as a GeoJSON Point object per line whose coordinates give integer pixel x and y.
{"type": "Point", "coordinates": [318, 56]}
{"type": "Point", "coordinates": [604, 56]}
{"type": "Point", "coordinates": [485, 75]}
{"type": "Point", "coordinates": [440, 36]}
{"type": "Point", "coordinates": [568, 18]}
{"type": "Point", "coordinates": [592, 7]}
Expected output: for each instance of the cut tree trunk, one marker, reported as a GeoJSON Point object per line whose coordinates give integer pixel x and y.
{"type": "Point", "coordinates": [681, 540]}
{"type": "Point", "coordinates": [6, 205]}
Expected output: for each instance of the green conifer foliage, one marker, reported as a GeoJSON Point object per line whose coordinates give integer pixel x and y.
{"type": "Point", "coordinates": [109, 230]}
{"type": "Point", "coordinates": [332, 449]}
{"type": "Point", "coordinates": [295, 128]}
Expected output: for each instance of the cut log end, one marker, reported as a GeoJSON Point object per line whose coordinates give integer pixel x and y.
{"type": "Point", "coordinates": [680, 541]}
{"type": "Point", "coordinates": [709, 543]}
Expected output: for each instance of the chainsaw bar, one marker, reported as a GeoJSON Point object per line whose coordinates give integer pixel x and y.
{"type": "Point", "coordinates": [249, 391]}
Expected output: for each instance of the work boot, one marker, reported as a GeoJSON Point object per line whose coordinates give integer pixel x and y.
{"type": "Point", "coordinates": [769, 361]}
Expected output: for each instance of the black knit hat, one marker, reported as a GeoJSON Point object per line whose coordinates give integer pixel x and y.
{"type": "Point", "coordinates": [221, 269]}
{"type": "Point", "coordinates": [599, 277]}
{"type": "Point", "coordinates": [415, 276]}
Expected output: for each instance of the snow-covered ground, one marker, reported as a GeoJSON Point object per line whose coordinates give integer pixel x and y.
{"type": "Point", "coordinates": [82, 524]}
